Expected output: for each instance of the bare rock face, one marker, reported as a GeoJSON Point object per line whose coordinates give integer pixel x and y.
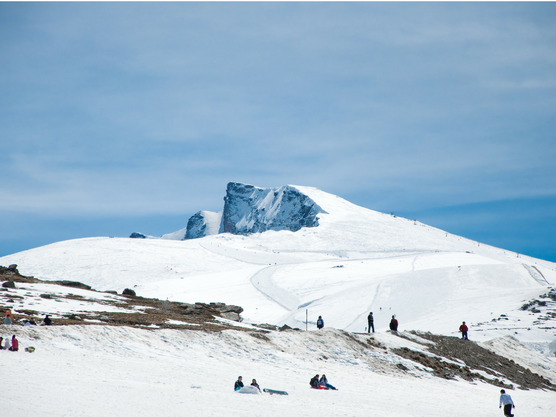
{"type": "Point", "coordinates": [137, 235]}
{"type": "Point", "coordinates": [249, 209]}
{"type": "Point", "coordinates": [203, 223]}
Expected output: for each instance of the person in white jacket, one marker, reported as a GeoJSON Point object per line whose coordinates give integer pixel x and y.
{"type": "Point", "coordinates": [506, 401]}
{"type": "Point", "coordinates": [7, 344]}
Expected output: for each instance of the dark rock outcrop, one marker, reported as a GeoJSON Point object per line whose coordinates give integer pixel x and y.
{"type": "Point", "coordinates": [203, 223]}
{"type": "Point", "coordinates": [249, 209]}
{"type": "Point", "coordinates": [136, 235]}
{"type": "Point", "coordinates": [129, 291]}
{"type": "Point", "coordinates": [226, 311]}
{"type": "Point", "coordinates": [74, 284]}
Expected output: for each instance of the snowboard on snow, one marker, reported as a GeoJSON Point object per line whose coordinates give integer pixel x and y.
{"type": "Point", "coordinates": [274, 391]}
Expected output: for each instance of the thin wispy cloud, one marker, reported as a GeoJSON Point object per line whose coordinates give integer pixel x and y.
{"type": "Point", "coordinates": [112, 109]}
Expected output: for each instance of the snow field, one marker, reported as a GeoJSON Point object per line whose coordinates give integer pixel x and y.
{"type": "Point", "coordinates": [119, 371]}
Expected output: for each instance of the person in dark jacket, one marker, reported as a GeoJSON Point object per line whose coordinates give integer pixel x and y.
{"type": "Point", "coordinates": [371, 321]}
{"type": "Point", "coordinates": [463, 329]}
{"type": "Point", "coordinates": [394, 324]}
{"type": "Point", "coordinates": [320, 323]}
{"type": "Point", "coordinates": [254, 384]}
{"type": "Point", "coordinates": [314, 381]}
{"type": "Point", "coordinates": [238, 384]}
{"type": "Point", "coordinates": [47, 321]}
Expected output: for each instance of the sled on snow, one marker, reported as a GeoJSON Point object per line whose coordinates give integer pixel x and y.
{"type": "Point", "coordinates": [248, 390]}
{"type": "Point", "coordinates": [274, 391]}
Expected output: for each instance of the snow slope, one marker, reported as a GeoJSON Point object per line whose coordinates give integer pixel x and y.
{"type": "Point", "coordinates": [357, 260]}
{"type": "Point", "coordinates": [119, 371]}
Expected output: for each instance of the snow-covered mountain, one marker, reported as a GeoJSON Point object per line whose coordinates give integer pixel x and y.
{"type": "Point", "coordinates": [341, 262]}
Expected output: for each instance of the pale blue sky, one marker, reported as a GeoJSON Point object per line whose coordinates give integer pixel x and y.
{"type": "Point", "coordinates": [122, 117]}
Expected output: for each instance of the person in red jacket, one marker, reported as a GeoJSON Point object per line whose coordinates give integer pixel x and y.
{"type": "Point", "coordinates": [15, 344]}
{"type": "Point", "coordinates": [463, 329]}
{"type": "Point", "coordinates": [394, 324]}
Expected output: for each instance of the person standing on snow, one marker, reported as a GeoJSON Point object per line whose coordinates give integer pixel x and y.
{"type": "Point", "coordinates": [9, 317]}
{"type": "Point", "coordinates": [394, 324]}
{"type": "Point", "coordinates": [463, 329]}
{"type": "Point", "coordinates": [506, 401]}
{"type": "Point", "coordinates": [320, 323]}
{"type": "Point", "coordinates": [371, 321]}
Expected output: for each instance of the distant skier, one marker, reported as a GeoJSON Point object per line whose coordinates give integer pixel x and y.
{"type": "Point", "coordinates": [320, 323]}
{"type": "Point", "coordinates": [394, 324]}
{"type": "Point", "coordinates": [371, 321]}
{"type": "Point", "coordinates": [506, 401]}
{"type": "Point", "coordinates": [47, 321]}
{"type": "Point", "coordinates": [463, 329]}
{"type": "Point", "coordinates": [238, 384]}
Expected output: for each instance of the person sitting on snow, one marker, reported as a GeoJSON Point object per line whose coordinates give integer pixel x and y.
{"type": "Point", "coordinates": [254, 384]}
{"type": "Point", "coordinates": [324, 383]}
{"type": "Point", "coordinates": [7, 344]}
{"type": "Point", "coordinates": [15, 344]}
{"type": "Point", "coordinates": [314, 381]}
{"type": "Point", "coordinates": [238, 384]}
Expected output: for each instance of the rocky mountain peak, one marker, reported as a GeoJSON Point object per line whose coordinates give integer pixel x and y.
{"type": "Point", "coordinates": [249, 209]}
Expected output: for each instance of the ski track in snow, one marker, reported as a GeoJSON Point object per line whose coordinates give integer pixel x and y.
{"type": "Point", "coordinates": [355, 261]}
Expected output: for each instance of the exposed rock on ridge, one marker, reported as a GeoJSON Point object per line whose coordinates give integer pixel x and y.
{"type": "Point", "coordinates": [249, 209]}
{"type": "Point", "coordinates": [203, 223]}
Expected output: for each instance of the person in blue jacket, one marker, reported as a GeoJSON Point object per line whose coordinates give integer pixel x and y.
{"type": "Point", "coordinates": [320, 323]}
{"type": "Point", "coordinates": [324, 382]}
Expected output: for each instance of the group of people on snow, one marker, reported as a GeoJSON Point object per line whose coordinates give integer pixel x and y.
{"type": "Point", "coordinates": [239, 384]}
{"type": "Point", "coordinates": [370, 321]}
{"type": "Point", "coordinates": [320, 383]}
{"type": "Point", "coordinates": [9, 319]}
{"type": "Point", "coordinates": [5, 344]}
{"type": "Point", "coordinates": [394, 325]}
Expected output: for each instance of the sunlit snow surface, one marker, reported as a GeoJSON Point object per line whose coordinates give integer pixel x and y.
{"type": "Point", "coordinates": [355, 261]}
